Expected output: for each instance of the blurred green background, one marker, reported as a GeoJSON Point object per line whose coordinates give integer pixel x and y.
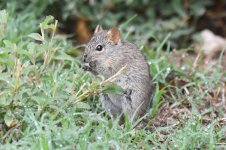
{"type": "Point", "coordinates": [144, 21]}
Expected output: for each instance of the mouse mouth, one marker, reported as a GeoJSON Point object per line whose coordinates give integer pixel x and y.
{"type": "Point", "coordinates": [87, 67]}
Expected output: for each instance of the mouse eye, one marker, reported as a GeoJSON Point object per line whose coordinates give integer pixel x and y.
{"type": "Point", "coordinates": [99, 48]}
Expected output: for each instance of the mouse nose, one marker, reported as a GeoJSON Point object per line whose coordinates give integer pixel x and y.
{"type": "Point", "coordinates": [86, 67]}
{"type": "Point", "coordinates": [85, 58]}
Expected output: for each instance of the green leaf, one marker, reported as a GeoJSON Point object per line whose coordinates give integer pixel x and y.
{"type": "Point", "coordinates": [36, 36]}
{"type": "Point", "coordinates": [178, 7]}
{"type": "Point", "coordinates": [9, 44]}
{"type": "Point", "coordinates": [4, 98]}
{"type": "Point", "coordinates": [45, 23]}
{"type": "Point", "coordinates": [9, 120]}
{"type": "Point", "coordinates": [44, 143]}
{"type": "Point", "coordinates": [110, 87]}
{"type": "Point", "coordinates": [128, 125]}
{"type": "Point", "coordinates": [3, 16]}
{"type": "Point", "coordinates": [63, 56]}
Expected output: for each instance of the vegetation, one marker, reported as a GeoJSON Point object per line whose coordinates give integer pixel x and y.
{"type": "Point", "coordinates": [48, 102]}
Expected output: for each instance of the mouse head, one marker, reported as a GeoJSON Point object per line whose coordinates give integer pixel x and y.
{"type": "Point", "coordinates": [101, 51]}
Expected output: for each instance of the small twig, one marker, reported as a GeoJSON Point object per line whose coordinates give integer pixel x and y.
{"type": "Point", "coordinates": [195, 64]}
{"type": "Point", "coordinates": [186, 90]}
{"type": "Point", "coordinates": [89, 92]}
{"type": "Point", "coordinates": [80, 89]}
{"type": "Point", "coordinates": [112, 78]}
{"type": "Point", "coordinates": [86, 94]}
{"type": "Point", "coordinates": [9, 131]}
{"type": "Point", "coordinates": [54, 30]}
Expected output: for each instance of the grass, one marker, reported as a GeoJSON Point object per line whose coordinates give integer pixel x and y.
{"type": "Point", "coordinates": [48, 102]}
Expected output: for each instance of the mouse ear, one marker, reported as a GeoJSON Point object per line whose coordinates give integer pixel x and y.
{"type": "Point", "coordinates": [98, 28]}
{"type": "Point", "coordinates": [113, 35]}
